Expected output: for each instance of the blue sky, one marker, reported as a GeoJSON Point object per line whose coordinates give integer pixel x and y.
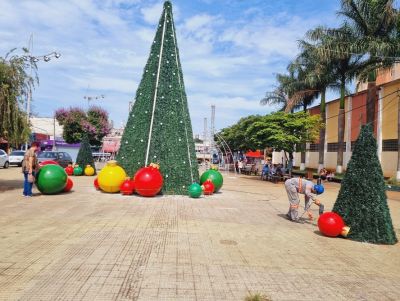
{"type": "Point", "coordinates": [230, 49]}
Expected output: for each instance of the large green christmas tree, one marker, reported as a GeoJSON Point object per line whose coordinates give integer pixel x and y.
{"type": "Point", "coordinates": [85, 156]}
{"type": "Point", "coordinates": [159, 129]}
{"type": "Point", "coordinates": [362, 199]}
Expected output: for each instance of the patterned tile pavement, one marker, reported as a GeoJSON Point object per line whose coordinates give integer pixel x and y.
{"type": "Point", "coordinates": [87, 245]}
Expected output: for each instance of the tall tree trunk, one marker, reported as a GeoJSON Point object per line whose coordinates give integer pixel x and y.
{"type": "Point", "coordinates": [303, 146]}
{"type": "Point", "coordinates": [371, 98]}
{"type": "Point", "coordinates": [398, 142]}
{"type": "Point", "coordinates": [341, 125]}
{"type": "Point", "coordinates": [322, 132]}
{"type": "Point", "coordinates": [290, 167]}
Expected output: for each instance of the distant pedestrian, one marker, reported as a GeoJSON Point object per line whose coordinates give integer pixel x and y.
{"type": "Point", "coordinates": [29, 168]}
{"type": "Point", "coordinates": [240, 166]}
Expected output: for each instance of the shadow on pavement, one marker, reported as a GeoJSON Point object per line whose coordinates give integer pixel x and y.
{"type": "Point", "coordinates": [11, 185]}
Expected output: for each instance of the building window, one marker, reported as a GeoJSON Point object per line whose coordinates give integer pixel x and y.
{"type": "Point", "coordinates": [314, 147]}
{"type": "Point", "coordinates": [390, 145]}
{"type": "Point", "coordinates": [333, 147]}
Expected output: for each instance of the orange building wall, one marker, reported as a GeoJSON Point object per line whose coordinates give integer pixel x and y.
{"type": "Point", "coordinates": [332, 121]}
{"type": "Point", "coordinates": [389, 111]}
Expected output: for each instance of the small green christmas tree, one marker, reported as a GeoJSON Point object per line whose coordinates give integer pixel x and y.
{"type": "Point", "coordinates": [85, 154]}
{"type": "Point", "coordinates": [159, 129]}
{"type": "Point", "coordinates": [362, 199]}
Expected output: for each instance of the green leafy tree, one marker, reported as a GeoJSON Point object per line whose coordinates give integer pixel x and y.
{"type": "Point", "coordinates": [236, 137]}
{"type": "Point", "coordinates": [159, 127]}
{"type": "Point", "coordinates": [76, 123]}
{"type": "Point", "coordinates": [283, 131]}
{"type": "Point", "coordinates": [15, 85]}
{"type": "Point", "coordinates": [362, 199]}
{"type": "Point", "coordinates": [85, 156]}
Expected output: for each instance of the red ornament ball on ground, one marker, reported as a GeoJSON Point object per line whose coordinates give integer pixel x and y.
{"type": "Point", "coordinates": [148, 181]}
{"type": "Point", "coordinates": [69, 170]}
{"type": "Point", "coordinates": [47, 163]}
{"type": "Point", "coordinates": [127, 187]}
{"type": "Point", "coordinates": [96, 184]}
{"type": "Point", "coordinates": [330, 224]}
{"type": "Point", "coordinates": [69, 185]}
{"type": "Point", "coordinates": [208, 187]}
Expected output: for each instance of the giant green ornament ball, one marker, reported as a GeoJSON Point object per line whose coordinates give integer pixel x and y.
{"type": "Point", "coordinates": [214, 176]}
{"type": "Point", "coordinates": [195, 190]}
{"type": "Point", "coordinates": [51, 179]}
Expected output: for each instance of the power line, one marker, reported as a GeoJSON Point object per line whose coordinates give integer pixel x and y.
{"type": "Point", "coordinates": [352, 109]}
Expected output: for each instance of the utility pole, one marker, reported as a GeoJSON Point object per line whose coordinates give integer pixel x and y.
{"type": "Point", "coordinates": [212, 130]}
{"type": "Point", "coordinates": [204, 141]}
{"type": "Point", "coordinates": [54, 133]}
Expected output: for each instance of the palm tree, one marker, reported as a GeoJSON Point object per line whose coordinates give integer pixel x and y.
{"type": "Point", "coordinates": [291, 94]}
{"type": "Point", "coordinates": [332, 45]}
{"type": "Point", "coordinates": [282, 94]}
{"type": "Point", "coordinates": [318, 74]}
{"type": "Point", "coordinates": [374, 27]}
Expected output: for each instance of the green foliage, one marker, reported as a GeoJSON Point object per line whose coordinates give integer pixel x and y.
{"type": "Point", "coordinates": [362, 200]}
{"type": "Point", "coordinates": [393, 181]}
{"type": "Point", "coordinates": [15, 85]}
{"type": "Point", "coordinates": [171, 144]}
{"type": "Point", "coordinates": [77, 123]}
{"type": "Point", "coordinates": [284, 131]}
{"type": "Point", "coordinates": [235, 135]}
{"type": "Point", "coordinates": [85, 154]}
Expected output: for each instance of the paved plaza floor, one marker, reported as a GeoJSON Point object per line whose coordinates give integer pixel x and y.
{"type": "Point", "coordinates": [87, 245]}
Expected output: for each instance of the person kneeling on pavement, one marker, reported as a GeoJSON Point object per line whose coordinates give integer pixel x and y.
{"type": "Point", "coordinates": [296, 186]}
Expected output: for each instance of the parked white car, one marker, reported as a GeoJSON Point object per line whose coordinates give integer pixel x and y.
{"type": "Point", "coordinates": [16, 157]}
{"type": "Point", "coordinates": [4, 162]}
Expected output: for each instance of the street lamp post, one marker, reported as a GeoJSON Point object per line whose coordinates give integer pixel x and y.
{"type": "Point", "coordinates": [33, 60]}
{"type": "Point", "coordinates": [90, 98]}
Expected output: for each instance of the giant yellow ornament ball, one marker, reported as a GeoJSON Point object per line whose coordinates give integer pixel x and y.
{"type": "Point", "coordinates": [89, 170]}
{"type": "Point", "coordinates": [111, 177]}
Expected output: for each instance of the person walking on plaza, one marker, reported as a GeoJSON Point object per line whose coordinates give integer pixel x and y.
{"type": "Point", "coordinates": [240, 166]}
{"type": "Point", "coordinates": [296, 186]}
{"type": "Point", "coordinates": [29, 168]}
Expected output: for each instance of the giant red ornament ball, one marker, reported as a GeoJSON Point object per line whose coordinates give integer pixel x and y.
{"type": "Point", "coordinates": [208, 187]}
{"type": "Point", "coordinates": [47, 162]}
{"type": "Point", "coordinates": [69, 185]}
{"type": "Point", "coordinates": [69, 170]}
{"type": "Point", "coordinates": [96, 183]}
{"type": "Point", "coordinates": [127, 187]}
{"type": "Point", "coordinates": [148, 181]}
{"type": "Point", "coordinates": [330, 224]}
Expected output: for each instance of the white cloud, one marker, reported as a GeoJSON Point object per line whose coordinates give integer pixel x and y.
{"type": "Point", "coordinates": [151, 14]}
{"type": "Point", "coordinates": [105, 44]}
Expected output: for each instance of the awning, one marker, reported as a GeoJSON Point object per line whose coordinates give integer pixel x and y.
{"type": "Point", "coordinates": [110, 146]}
{"type": "Point", "coordinates": [255, 154]}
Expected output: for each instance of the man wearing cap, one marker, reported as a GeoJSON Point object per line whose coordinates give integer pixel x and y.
{"type": "Point", "coordinates": [295, 186]}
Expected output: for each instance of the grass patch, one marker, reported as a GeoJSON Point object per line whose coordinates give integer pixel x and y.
{"type": "Point", "coordinates": [257, 297]}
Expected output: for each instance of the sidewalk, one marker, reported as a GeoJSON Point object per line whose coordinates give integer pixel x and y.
{"type": "Point", "coordinates": [87, 245]}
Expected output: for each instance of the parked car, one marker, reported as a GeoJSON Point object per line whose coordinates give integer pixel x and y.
{"type": "Point", "coordinates": [4, 161]}
{"type": "Point", "coordinates": [17, 157]}
{"type": "Point", "coordinates": [61, 158]}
